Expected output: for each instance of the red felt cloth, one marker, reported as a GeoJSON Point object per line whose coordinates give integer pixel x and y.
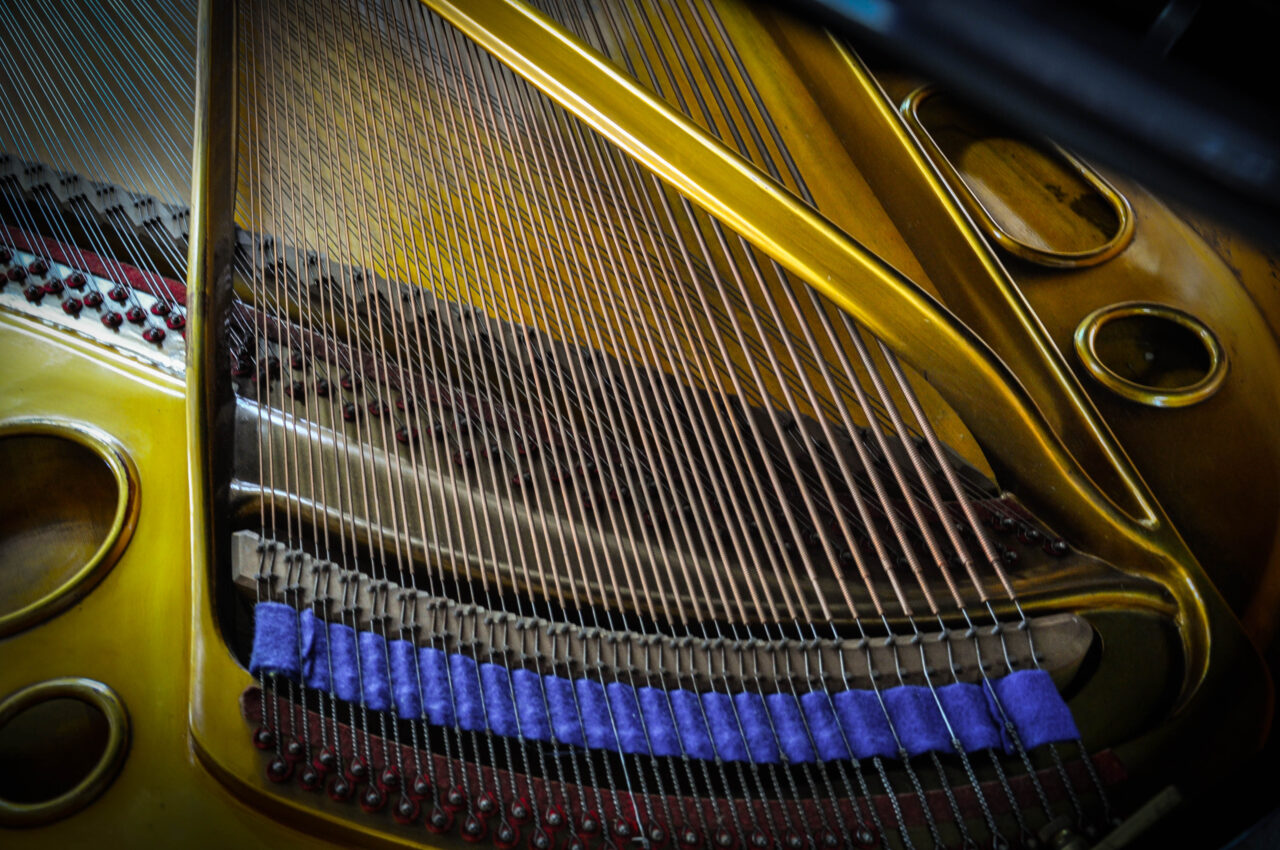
{"type": "Point", "coordinates": [96, 265]}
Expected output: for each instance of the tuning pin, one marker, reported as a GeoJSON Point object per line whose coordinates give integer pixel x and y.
{"type": "Point", "coordinates": [341, 788]}
{"type": "Point", "coordinates": [406, 809]}
{"type": "Point", "coordinates": [279, 769]}
{"type": "Point", "coordinates": [326, 761]}
{"type": "Point", "coordinates": [487, 805]}
{"type": "Point", "coordinates": [372, 799]}
{"type": "Point", "coordinates": [520, 811]}
{"type": "Point", "coordinates": [473, 829]}
{"type": "Point", "coordinates": [554, 819]}
{"type": "Point", "coordinates": [440, 820]}
{"type": "Point", "coordinates": [310, 778]}
{"type": "Point", "coordinates": [357, 770]}
{"type": "Point", "coordinates": [590, 825]}
{"type": "Point", "coordinates": [505, 836]}
{"type": "Point", "coordinates": [263, 738]}
{"type": "Point", "coordinates": [454, 799]}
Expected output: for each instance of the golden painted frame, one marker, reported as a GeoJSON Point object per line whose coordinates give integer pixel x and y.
{"type": "Point", "coordinates": [1123, 524]}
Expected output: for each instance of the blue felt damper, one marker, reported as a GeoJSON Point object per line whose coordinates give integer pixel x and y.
{"type": "Point", "coordinates": [451, 689]}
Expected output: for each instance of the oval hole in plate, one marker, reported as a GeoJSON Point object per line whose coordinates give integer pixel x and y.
{"type": "Point", "coordinates": [62, 742]}
{"type": "Point", "coordinates": [57, 742]}
{"type": "Point", "coordinates": [66, 510]}
{"type": "Point", "coordinates": [1031, 198]}
{"type": "Point", "coordinates": [1152, 354]}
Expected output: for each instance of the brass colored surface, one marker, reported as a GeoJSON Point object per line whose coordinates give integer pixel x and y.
{"type": "Point", "coordinates": [114, 750]}
{"type": "Point", "coordinates": [1176, 685]}
{"type": "Point", "coordinates": [1174, 259]}
{"type": "Point", "coordinates": [65, 517]}
{"type": "Point", "coordinates": [1166, 656]}
{"type": "Point", "coordinates": [133, 631]}
{"type": "Point", "coordinates": [977, 385]}
{"type": "Point", "coordinates": [1200, 384]}
{"type": "Point", "coordinates": [1025, 163]}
